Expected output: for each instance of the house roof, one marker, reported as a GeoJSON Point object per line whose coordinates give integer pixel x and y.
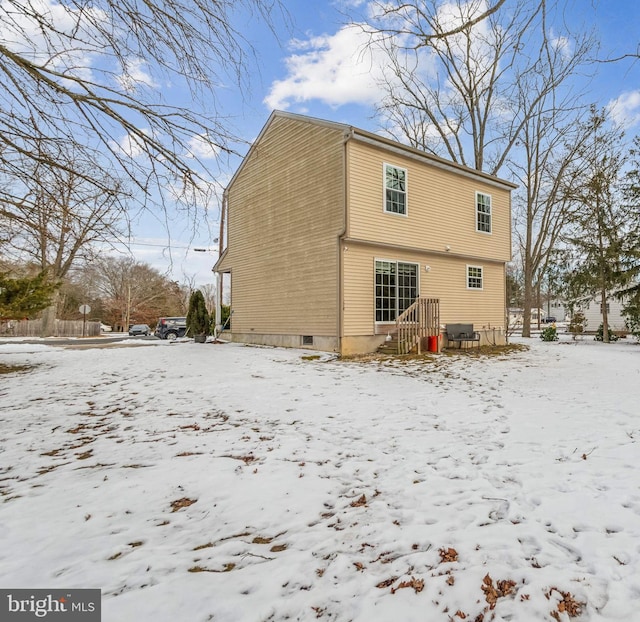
{"type": "Point", "coordinates": [354, 133]}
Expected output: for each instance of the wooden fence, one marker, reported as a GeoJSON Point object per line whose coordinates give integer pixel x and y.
{"type": "Point", "coordinates": [62, 328]}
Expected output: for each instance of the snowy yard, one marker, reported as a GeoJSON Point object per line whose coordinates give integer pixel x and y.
{"type": "Point", "coordinates": [240, 484]}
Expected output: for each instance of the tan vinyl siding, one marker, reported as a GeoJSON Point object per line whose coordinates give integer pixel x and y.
{"type": "Point", "coordinates": [441, 206]}
{"type": "Point", "coordinates": [285, 212]}
{"type": "Point", "coordinates": [446, 280]}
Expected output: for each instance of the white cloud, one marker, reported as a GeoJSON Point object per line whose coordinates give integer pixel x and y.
{"type": "Point", "coordinates": [625, 109]}
{"type": "Point", "coordinates": [335, 69]}
{"type": "Point", "coordinates": [66, 40]}
{"type": "Point", "coordinates": [562, 44]}
{"type": "Point", "coordinates": [136, 74]}
{"type": "Point", "coordinates": [201, 147]}
{"type": "Point", "coordinates": [130, 145]}
{"type": "Point", "coordinates": [348, 66]}
{"type": "Point", "coordinates": [61, 37]}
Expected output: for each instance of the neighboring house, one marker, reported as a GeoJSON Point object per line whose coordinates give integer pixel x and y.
{"type": "Point", "coordinates": [558, 309]}
{"type": "Point", "coordinates": [516, 317]}
{"type": "Point", "coordinates": [592, 310]}
{"type": "Point", "coordinates": [330, 232]}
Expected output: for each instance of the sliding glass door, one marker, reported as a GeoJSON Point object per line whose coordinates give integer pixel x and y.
{"type": "Point", "coordinates": [396, 288]}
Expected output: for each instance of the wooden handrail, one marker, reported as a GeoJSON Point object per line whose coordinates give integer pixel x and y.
{"type": "Point", "coordinates": [421, 319]}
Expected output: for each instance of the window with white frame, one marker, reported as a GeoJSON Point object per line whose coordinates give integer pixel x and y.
{"type": "Point", "coordinates": [474, 277]}
{"type": "Point", "coordinates": [483, 212]}
{"type": "Point", "coordinates": [395, 190]}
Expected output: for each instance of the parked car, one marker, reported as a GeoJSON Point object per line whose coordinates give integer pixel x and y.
{"type": "Point", "coordinates": [171, 327]}
{"type": "Point", "coordinates": [105, 328]}
{"type": "Point", "coordinates": [139, 329]}
{"type": "Point", "coordinates": [550, 319]}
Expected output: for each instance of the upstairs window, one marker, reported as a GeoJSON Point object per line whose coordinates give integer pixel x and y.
{"type": "Point", "coordinates": [474, 277]}
{"type": "Point", "coordinates": [483, 212]}
{"type": "Point", "coordinates": [395, 184]}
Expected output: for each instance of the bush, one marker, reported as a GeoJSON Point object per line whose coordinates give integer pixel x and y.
{"type": "Point", "coordinates": [549, 334]}
{"type": "Point", "coordinates": [600, 334]}
{"type": "Point", "coordinates": [633, 324]}
{"type": "Point", "coordinates": [197, 316]}
{"type": "Point", "coordinates": [577, 324]}
{"type": "Point", "coordinates": [632, 313]}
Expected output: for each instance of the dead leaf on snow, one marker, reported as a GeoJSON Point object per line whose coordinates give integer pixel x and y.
{"type": "Point", "coordinates": [53, 452]}
{"type": "Point", "coordinates": [568, 604]}
{"type": "Point", "coordinates": [359, 502]}
{"type": "Point", "coordinates": [248, 459]}
{"type": "Point", "coordinates": [502, 588]}
{"type": "Point", "coordinates": [448, 555]}
{"type": "Point", "coordinates": [181, 503]}
{"type": "Point", "coordinates": [387, 582]}
{"type": "Point", "coordinates": [226, 568]}
{"type": "Point", "coordinates": [416, 584]}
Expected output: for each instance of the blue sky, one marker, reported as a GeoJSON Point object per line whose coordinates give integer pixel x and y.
{"type": "Point", "coordinates": [314, 67]}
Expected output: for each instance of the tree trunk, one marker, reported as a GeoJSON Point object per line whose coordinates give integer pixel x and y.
{"type": "Point", "coordinates": [528, 299]}
{"type": "Point", "coordinates": [538, 305]}
{"type": "Point", "coordinates": [605, 316]}
{"type": "Point", "coordinates": [49, 317]}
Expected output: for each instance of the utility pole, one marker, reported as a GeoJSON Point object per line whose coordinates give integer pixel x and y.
{"type": "Point", "coordinates": [128, 316]}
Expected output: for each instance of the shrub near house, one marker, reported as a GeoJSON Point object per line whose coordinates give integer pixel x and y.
{"type": "Point", "coordinates": [197, 317]}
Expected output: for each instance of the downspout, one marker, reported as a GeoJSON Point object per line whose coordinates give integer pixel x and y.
{"type": "Point", "coordinates": [347, 135]}
{"type": "Point", "coordinates": [223, 213]}
{"type": "Point", "coordinates": [504, 268]}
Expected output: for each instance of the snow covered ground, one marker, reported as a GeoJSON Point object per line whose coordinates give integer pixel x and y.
{"type": "Point", "coordinates": [241, 484]}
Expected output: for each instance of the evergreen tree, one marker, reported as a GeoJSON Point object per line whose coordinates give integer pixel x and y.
{"type": "Point", "coordinates": [23, 297]}
{"type": "Point", "coordinates": [197, 316]}
{"type": "Point", "coordinates": [600, 225]}
{"type": "Point", "coordinates": [630, 294]}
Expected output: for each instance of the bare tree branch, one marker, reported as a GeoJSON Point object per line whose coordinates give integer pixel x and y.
{"type": "Point", "coordinates": [457, 95]}
{"type": "Point", "coordinates": [92, 73]}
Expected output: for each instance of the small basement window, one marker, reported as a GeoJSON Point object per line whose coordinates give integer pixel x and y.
{"type": "Point", "coordinates": [307, 340]}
